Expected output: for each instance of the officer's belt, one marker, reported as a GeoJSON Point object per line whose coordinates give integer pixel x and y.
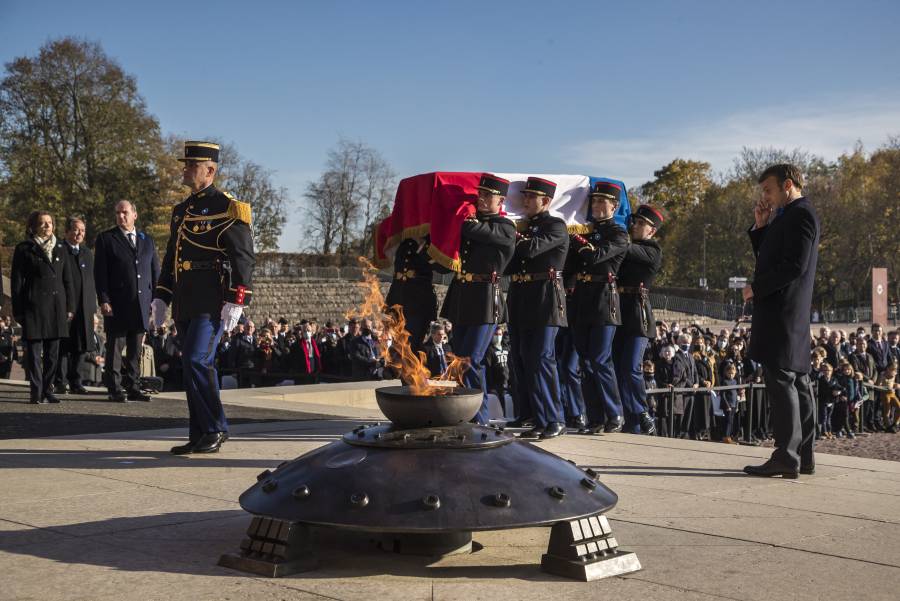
{"type": "Point", "coordinates": [478, 277]}
{"type": "Point", "coordinates": [634, 290]}
{"type": "Point", "coordinates": [405, 275]}
{"type": "Point", "coordinates": [596, 278]}
{"type": "Point", "coordinates": [201, 265]}
{"type": "Point", "coordinates": [534, 277]}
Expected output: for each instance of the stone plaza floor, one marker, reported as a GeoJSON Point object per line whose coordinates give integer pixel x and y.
{"type": "Point", "coordinates": [115, 516]}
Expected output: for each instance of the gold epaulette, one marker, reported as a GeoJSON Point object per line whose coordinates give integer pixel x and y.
{"type": "Point", "coordinates": [238, 210]}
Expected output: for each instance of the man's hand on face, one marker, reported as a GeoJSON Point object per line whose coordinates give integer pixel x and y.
{"type": "Point", "coordinates": [747, 292]}
{"type": "Point", "coordinates": [762, 211]}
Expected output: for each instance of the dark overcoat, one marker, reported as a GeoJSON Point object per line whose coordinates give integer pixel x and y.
{"type": "Point", "coordinates": [42, 292]}
{"type": "Point", "coordinates": [125, 278]}
{"type": "Point", "coordinates": [81, 268]}
{"type": "Point", "coordinates": [787, 251]}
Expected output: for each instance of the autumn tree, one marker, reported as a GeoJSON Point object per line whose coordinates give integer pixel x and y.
{"type": "Point", "coordinates": [75, 137]}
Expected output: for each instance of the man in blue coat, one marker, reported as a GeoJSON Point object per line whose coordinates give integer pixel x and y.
{"type": "Point", "coordinates": [785, 241]}
{"type": "Point", "coordinates": [126, 268]}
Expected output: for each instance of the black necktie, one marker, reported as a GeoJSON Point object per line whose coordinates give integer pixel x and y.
{"type": "Point", "coordinates": [131, 239]}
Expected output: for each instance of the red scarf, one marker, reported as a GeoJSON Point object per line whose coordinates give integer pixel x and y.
{"type": "Point", "coordinates": [315, 348]}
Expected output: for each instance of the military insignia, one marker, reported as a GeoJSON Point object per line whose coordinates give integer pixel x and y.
{"type": "Point", "coordinates": [196, 228]}
{"type": "Point", "coordinates": [534, 229]}
{"type": "Point", "coordinates": [204, 211]}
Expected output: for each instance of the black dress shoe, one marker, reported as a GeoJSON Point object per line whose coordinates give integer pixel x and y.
{"type": "Point", "coordinates": [51, 398]}
{"type": "Point", "coordinates": [553, 430]}
{"type": "Point", "coordinates": [209, 443]}
{"type": "Point", "coordinates": [117, 397]}
{"type": "Point", "coordinates": [184, 449]}
{"type": "Point", "coordinates": [648, 424]}
{"type": "Point", "coordinates": [78, 390]}
{"type": "Point", "coordinates": [38, 402]}
{"type": "Point", "coordinates": [533, 433]}
{"type": "Point", "coordinates": [520, 423]}
{"type": "Point", "coordinates": [137, 395]}
{"type": "Point", "coordinates": [60, 389]}
{"type": "Point", "coordinates": [591, 428]}
{"type": "Point", "coordinates": [614, 425]}
{"type": "Point", "coordinates": [578, 422]}
{"type": "Point", "coordinates": [770, 468]}
{"type": "Point", "coordinates": [808, 470]}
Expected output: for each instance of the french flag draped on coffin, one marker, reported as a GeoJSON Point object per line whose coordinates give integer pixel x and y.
{"type": "Point", "coordinates": [437, 204]}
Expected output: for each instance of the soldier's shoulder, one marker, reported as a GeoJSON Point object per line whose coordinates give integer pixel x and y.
{"type": "Point", "coordinates": [236, 209]}
{"type": "Point", "coordinates": [503, 220]}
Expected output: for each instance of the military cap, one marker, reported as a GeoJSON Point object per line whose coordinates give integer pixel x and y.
{"type": "Point", "coordinates": [493, 184]}
{"type": "Point", "coordinates": [649, 214]}
{"type": "Point", "coordinates": [539, 186]}
{"type": "Point", "coordinates": [200, 151]}
{"type": "Point", "coordinates": [606, 189]}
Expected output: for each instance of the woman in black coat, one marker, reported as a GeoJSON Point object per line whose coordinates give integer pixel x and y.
{"type": "Point", "coordinates": [43, 302]}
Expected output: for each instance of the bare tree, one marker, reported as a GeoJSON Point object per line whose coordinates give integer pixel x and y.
{"type": "Point", "coordinates": [350, 196]}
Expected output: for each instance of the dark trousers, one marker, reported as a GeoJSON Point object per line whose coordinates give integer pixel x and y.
{"type": "Point", "coordinates": [201, 383]}
{"type": "Point", "coordinates": [629, 369]}
{"type": "Point", "coordinates": [569, 376]}
{"type": "Point", "coordinates": [534, 350]}
{"type": "Point", "coordinates": [71, 364]}
{"type": "Point", "coordinates": [594, 345]}
{"type": "Point", "coordinates": [123, 374]}
{"type": "Point", "coordinates": [40, 366]}
{"type": "Point", "coordinates": [794, 419]}
{"type": "Point", "coordinates": [473, 342]}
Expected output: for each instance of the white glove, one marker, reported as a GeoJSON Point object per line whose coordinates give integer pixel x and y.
{"type": "Point", "coordinates": [231, 313]}
{"type": "Point", "coordinates": [158, 310]}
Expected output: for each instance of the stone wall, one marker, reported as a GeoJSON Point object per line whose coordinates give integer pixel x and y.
{"type": "Point", "coordinates": [301, 299]}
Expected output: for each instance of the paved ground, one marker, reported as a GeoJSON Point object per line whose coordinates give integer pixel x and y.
{"type": "Point", "coordinates": [114, 516]}
{"type": "Point", "coordinates": [86, 414]}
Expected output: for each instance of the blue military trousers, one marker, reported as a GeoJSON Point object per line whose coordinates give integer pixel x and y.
{"type": "Point", "coordinates": [569, 378]}
{"type": "Point", "coordinates": [594, 345]}
{"type": "Point", "coordinates": [473, 342]}
{"type": "Point", "coordinates": [201, 338]}
{"type": "Point", "coordinates": [629, 368]}
{"type": "Point", "coordinates": [534, 352]}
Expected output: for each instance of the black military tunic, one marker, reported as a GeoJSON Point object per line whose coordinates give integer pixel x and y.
{"type": "Point", "coordinates": [209, 258]}
{"type": "Point", "coordinates": [637, 272]}
{"type": "Point", "coordinates": [412, 288]}
{"type": "Point", "coordinates": [596, 298]}
{"type": "Point", "coordinates": [486, 248]}
{"type": "Point", "coordinates": [536, 295]}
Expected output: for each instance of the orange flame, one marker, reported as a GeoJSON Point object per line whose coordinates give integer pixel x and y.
{"type": "Point", "coordinates": [400, 356]}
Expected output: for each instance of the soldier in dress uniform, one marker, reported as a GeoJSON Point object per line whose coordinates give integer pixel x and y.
{"type": "Point", "coordinates": [595, 262]}
{"type": "Point", "coordinates": [206, 275]}
{"type": "Point", "coordinates": [537, 307]}
{"type": "Point", "coordinates": [636, 274]}
{"type": "Point", "coordinates": [412, 288]}
{"type": "Point", "coordinates": [474, 303]}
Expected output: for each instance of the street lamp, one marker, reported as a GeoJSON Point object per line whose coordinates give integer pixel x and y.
{"type": "Point", "coordinates": [703, 283]}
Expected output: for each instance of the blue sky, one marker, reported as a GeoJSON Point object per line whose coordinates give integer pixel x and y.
{"type": "Point", "coordinates": [597, 88]}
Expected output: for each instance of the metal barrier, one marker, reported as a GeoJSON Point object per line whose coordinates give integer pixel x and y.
{"type": "Point", "coordinates": [748, 408]}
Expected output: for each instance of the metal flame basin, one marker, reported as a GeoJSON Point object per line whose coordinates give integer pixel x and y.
{"type": "Point", "coordinates": [436, 479]}
{"type": "Point", "coordinates": [406, 410]}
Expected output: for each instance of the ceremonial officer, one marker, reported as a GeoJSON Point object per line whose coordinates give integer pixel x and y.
{"type": "Point", "coordinates": [596, 259]}
{"type": "Point", "coordinates": [73, 350]}
{"type": "Point", "coordinates": [636, 274]}
{"type": "Point", "coordinates": [537, 307]}
{"type": "Point", "coordinates": [206, 275]}
{"type": "Point", "coordinates": [474, 303]}
{"type": "Point", "coordinates": [412, 288]}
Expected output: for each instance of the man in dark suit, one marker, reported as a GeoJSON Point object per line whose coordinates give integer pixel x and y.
{"type": "Point", "coordinates": [72, 350]}
{"type": "Point", "coordinates": [785, 241]}
{"type": "Point", "coordinates": [878, 347]}
{"type": "Point", "coordinates": [436, 350]}
{"type": "Point", "coordinates": [365, 354]}
{"type": "Point", "coordinates": [125, 271]}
